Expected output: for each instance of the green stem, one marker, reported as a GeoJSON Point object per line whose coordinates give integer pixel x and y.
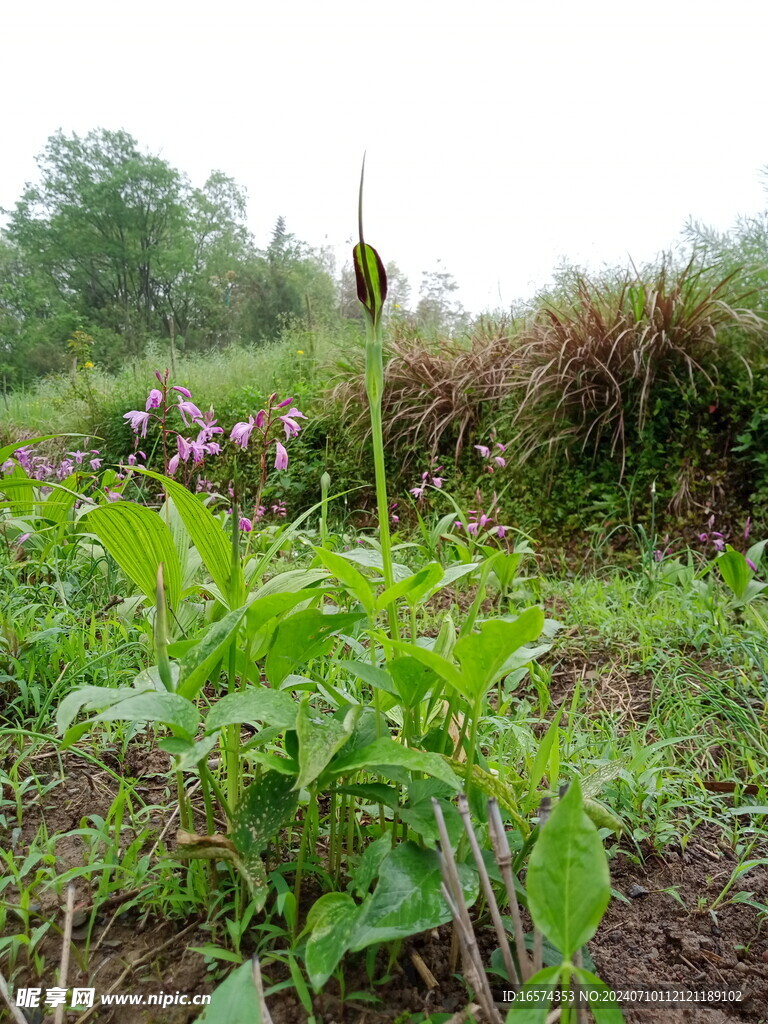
{"type": "Point", "coordinates": [374, 398]}
{"type": "Point", "coordinates": [303, 854]}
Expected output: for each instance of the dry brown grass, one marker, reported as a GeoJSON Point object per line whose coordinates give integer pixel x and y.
{"type": "Point", "coordinates": [435, 392]}
{"type": "Point", "coordinates": [588, 370]}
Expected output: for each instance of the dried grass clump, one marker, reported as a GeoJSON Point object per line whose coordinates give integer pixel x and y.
{"type": "Point", "coordinates": [435, 392]}
{"type": "Point", "coordinates": [587, 370]}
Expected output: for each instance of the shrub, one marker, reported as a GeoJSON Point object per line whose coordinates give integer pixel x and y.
{"type": "Point", "coordinates": [590, 368]}
{"type": "Point", "coordinates": [435, 393]}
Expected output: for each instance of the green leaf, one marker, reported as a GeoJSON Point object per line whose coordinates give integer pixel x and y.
{"type": "Point", "coordinates": [264, 808]}
{"type": "Point", "coordinates": [370, 864]}
{"type": "Point", "coordinates": [188, 755]}
{"type": "Point", "coordinates": [354, 581]}
{"type": "Point", "coordinates": [483, 655]}
{"type": "Point", "coordinates": [408, 898]}
{"type": "Point", "coordinates": [386, 752]}
{"type": "Point", "coordinates": [235, 1001]}
{"type": "Point", "coordinates": [19, 489]}
{"type": "Point", "coordinates": [263, 608]}
{"type": "Point", "coordinates": [92, 698]}
{"type": "Point", "coordinates": [534, 999]}
{"type": "Point", "coordinates": [412, 678]}
{"type": "Point", "coordinates": [604, 1009]}
{"type": "Point", "coordinates": [301, 637]}
{"type": "Point", "coordinates": [253, 705]}
{"type": "Point", "coordinates": [330, 921]}
{"type": "Point", "coordinates": [196, 665]}
{"type": "Point", "coordinates": [320, 736]}
{"type": "Point", "coordinates": [138, 540]}
{"type": "Point", "coordinates": [735, 570]}
{"type": "Point", "coordinates": [568, 881]}
{"type": "Point", "coordinates": [542, 757]}
{"type": "Point", "coordinates": [414, 588]}
{"type": "Point", "coordinates": [205, 530]}
{"type": "Point", "coordinates": [171, 709]}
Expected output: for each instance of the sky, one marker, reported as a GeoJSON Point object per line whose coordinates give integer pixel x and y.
{"type": "Point", "coordinates": [502, 138]}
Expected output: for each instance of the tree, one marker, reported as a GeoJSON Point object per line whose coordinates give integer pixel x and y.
{"type": "Point", "coordinates": [105, 225]}
{"type": "Point", "coordinates": [436, 311]}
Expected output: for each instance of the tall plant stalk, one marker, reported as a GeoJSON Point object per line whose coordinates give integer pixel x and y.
{"type": "Point", "coordinates": [371, 282]}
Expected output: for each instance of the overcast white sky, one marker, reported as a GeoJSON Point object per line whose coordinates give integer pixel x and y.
{"type": "Point", "coordinates": [502, 137]}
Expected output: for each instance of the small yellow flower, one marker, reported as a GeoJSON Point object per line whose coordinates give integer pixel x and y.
{"type": "Point", "coordinates": [88, 365]}
{"type": "Point", "coordinates": [299, 351]}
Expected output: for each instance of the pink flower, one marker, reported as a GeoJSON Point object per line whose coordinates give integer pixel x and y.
{"type": "Point", "coordinates": [245, 525]}
{"type": "Point", "coordinates": [281, 457]}
{"type": "Point", "coordinates": [173, 464]}
{"type": "Point", "coordinates": [260, 418]}
{"type": "Point", "coordinates": [154, 398]}
{"type": "Point", "coordinates": [138, 421]}
{"type": "Point", "coordinates": [184, 447]}
{"type": "Point", "coordinates": [191, 410]}
{"type": "Point", "coordinates": [417, 492]}
{"type": "Point", "coordinates": [751, 564]}
{"type": "Point", "coordinates": [292, 428]}
{"type": "Point", "coordinates": [96, 463]}
{"type": "Point", "coordinates": [500, 460]}
{"type": "Point", "coordinates": [437, 481]}
{"type": "Point", "coordinates": [484, 450]}
{"type": "Point", "coordinates": [501, 532]}
{"type": "Point", "coordinates": [78, 456]}
{"type": "Point", "coordinates": [286, 401]}
{"type": "Point", "coordinates": [181, 390]}
{"type": "Point", "coordinates": [211, 447]}
{"type": "Point", "coordinates": [241, 432]}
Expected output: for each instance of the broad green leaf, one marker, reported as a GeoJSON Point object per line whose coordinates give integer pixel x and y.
{"type": "Point", "coordinates": [138, 540]}
{"type": "Point", "coordinates": [60, 502]}
{"type": "Point", "coordinates": [264, 808]}
{"type": "Point", "coordinates": [408, 897]}
{"type": "Point", "coordinates": [188, 755]}
{"type": "Point", "coordinates": [93, 698]}
{"type": "Point", "coordinates": [288, 582]}
{"type": "Point", "coordinates": [371, 279]}
{"type": "Point", "coordinates": [320, 736]}
{"type": "Point", "coordinates": [373, 560]}
{"type": "Point", "coordinates": [370, 864]}
{"type": "Point", "coordinates": [354, 581]}
{"type": "Point", "coordinates": [568, 881]}
{"type": "Point", "coordinates": [373, 793]}
{"type": "Point", "coordinates": [19, 489]}
{"type": "Point", "coordinates": [604, 1009]}
{"type": "Point", "coordinates": [301, 637]}
{"type": "Point", "coordinates": [483, 655]}
{"type": "Point", "coordinates": [330, 922]}
{"type": "Point", "coordinates": [204, 529]}
{"type": "Point", "coordinates": [534, 999]}
{"type": "Point", "coordinates": [197, 664]}
{"type": "Point", "coordinates": [414, 588]}
{"type": "Point", "coordinates": [735, 570]}
{"type": "Point", "coordinates": [263, 608]}
{"type": "Point", "coordinates": [253, 705]}
{"type": "Point", "coordinates": [171, 709]}
{"type": "Point", "coordinates": [386, 752]}
{"type": "Point", "coordinates": [413, 680]}
{"type": "Point", "coordinates": [378, 678]}
{"type": "Point", "coordinates": [235, 1001]}
{"type": "Point", "coordinates": [444, 668]}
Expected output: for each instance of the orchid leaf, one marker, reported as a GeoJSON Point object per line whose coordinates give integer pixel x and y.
{"type": "Point", "coordinates": [139, 541]}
